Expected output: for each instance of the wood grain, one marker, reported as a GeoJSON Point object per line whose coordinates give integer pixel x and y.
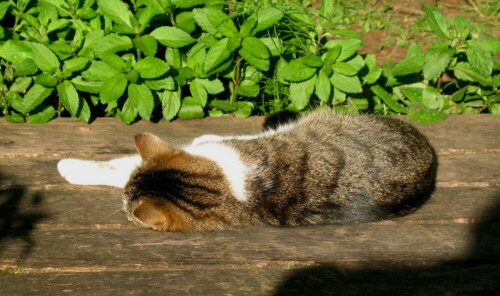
{"type": "Point", "coordinates": [58, 238]}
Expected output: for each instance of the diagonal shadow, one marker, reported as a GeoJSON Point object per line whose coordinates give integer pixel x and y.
{"type": "Point", "coordinates": [477, 273]}
{"type": "Point", "coordinates": [18, 216]}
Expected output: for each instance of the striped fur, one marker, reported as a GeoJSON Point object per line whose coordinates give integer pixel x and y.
{"type": "Point", "coordinates": [321, 168]}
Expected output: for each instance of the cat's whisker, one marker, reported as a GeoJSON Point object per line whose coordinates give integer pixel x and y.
{"type": "Point", "coordinates": [114, 212]}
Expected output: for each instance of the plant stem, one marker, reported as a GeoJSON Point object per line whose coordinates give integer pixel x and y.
{"type": "Point", "coordinates": [440, 80]}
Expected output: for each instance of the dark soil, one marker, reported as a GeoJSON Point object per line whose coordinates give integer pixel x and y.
{"type": "Point", "coordinates": [404, 16]}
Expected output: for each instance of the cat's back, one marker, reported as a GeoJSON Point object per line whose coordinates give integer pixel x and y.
{"type": "Point", "coordinates": [345, 168]}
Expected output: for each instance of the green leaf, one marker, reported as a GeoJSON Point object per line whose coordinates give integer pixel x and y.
{"type": "Point", "coordinates": [425, 115]}
{"type": "Point", "coordinates": [266, 18]}
{"type": "Point", "coordinates": [34, 97]}
{"type": "Point", "coordinates": [14, 118]}
{"type": "Point", "coordinates": [215, 112]}
{"type": "Point", "coordinates": [44, 58]}
{"type": "Point", "coordinates": [492, 44]}
{"type": "Point", "coordinates": [172, 36]}
{"type": "Point", "coordinates": [243, 109]}
{"type": "Point", "coordinates": [479, 57]}
{"type": "Point", "coordinates": [69, 97]}
{"type": "Point", "coordinates": [347, 33]}
{"type": "Point", "coordinates": [296, 71]}
{"type": "Point", "coordinates": [436, 21]}
{"type": "Point", "coordinates": [388, 99]}
{"type": "Point", "coordinates": [326, 12]}
{"type": "Point", "coordinates": [99, 71]}
{"type": "Point", "coordinates": [21, 84]}
{"type": "Point", "coordinates": [247, 27]}
{"type": "Point", "coordinates": [248, 88]}
{"type": "Point", "coordinates": [255, 47]}
{"type": "Point", "coordinates": [151, 67]}
{"type": "Point", "coordinates": [431, 98]}
{"type": "Point", "coordinates": [74, 64]}
{"type": "Point", "coordinates": [374, 71]}
{"type": "Point", "coordinates": [132, 76]}
{"type": "Point", "coordinates": [459, 94]}
{"type": "Point", "coordinates": [112, 89]}
{"type": "Point", "coordinates": [190, 109]}
{"type": "Point", "coordinates": [212, 87]}
{"type": "Point", "coordinates": [129, 112]}
{"type": "Point", "coordinates": [464, 71]}
{"type": "Point", "coordinates": [301, 92]}
{"type": "Point", "coordinates": [357, 62]}
{"type": "Point", "coordinates": [41, 114]}
{"type": "Point", "coordinates": [15, 51]}
{"type": "Point", "coordinates": [348, 84]}
{"type": "Point", "coordinates": [167, 83]}
{"type": "Point", "coordinates": [348, 47]}
{"type": "Point", "coordinates": [3, 8]}
{"type": "Point", "coordinates": [86, 86]}
{"type": "Point", "coordinates": [198, 92]}
{"type": "Point", "coordinates": [25, 67]}
{"type": "Point", "coordinates": [344, 68]}
{"type": "Point", "coordinates": [117, 11]}
{"type": "Point", "coordinates": [46, 80]}
{"type": "Point", "coordinates": [274, 45]}
{"type": "Point", "coordinates": [217, 55]}
{"type": "Point", "coordinates": [225, 106]}
{"type": "Point", "coordinates": [437, 59]}
{"type": "Point", "coordinates": [461, 27]}
{"type": "Point", "coordinates": [332, 54]}
{"type": "Point", "coordinates": [215, 21]}
{"type": "Point", "coordinates": [312, 61]}
{"type": "Point", "coordinates": [185, 21]}
{"type": "Point", "coordinates": [83, 113]}
{"type": "Point", "coordinates": [412, 63]}
{"type": "Point", "coordinates": [323, 87]}
{"type": "Point", "coordinates": [171, 103]}
{"type": "Point", "coordinates": [414, 94]}
{"type": "Point", "coordinates": [141, 98]}
{"type": "Point", "coordinates": [187, 3]}
{"type": "Point", "coordinates": [146, 44]}
{"type": "Point", "coordinates": [258, 63]}
{"type": "Point", "coordinates": [112, 43]}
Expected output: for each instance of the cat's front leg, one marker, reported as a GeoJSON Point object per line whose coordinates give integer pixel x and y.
{"type": "Point", "coordinates": [115, 172]}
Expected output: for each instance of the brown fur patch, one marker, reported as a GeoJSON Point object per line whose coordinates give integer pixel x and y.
{"type": "Point", "coordinates": [159, 215]}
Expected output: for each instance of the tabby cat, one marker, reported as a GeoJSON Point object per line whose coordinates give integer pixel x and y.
{"type": "Point", "coordinates": [321, 168]}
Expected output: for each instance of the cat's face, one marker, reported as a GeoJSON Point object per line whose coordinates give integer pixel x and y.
{"type": "Point", "coordinates": [175, 191]}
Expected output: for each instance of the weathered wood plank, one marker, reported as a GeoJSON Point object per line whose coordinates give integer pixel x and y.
{"type": "Point", "coordinates": [73, 208]}
{"type": "Point", "coordinates": [108, 135]}
{"type": "Point", "coordinates": [132, 249]}
{"type": "Point", "coordinates": [459, 279]}
{"type": "Point", "coordinates": [480, 170]}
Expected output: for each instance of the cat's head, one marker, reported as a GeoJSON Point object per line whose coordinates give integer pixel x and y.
{"type": "Point", "coordinates": [174, 191]}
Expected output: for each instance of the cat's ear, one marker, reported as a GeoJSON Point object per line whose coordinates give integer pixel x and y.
{"type": "Point", "coordinates": [159, 216]}
{"type": "Point", "coordinates": [149, 146]}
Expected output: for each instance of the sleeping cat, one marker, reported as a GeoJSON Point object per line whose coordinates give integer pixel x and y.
{"type": "Point", "coordinates": [321, 168]}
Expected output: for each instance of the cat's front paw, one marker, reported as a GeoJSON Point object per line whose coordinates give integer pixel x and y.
{"type": "Point", "coordinates": [79, 172]}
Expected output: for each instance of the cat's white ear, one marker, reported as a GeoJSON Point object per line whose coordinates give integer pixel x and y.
{"type": "Point", "coordinates": [149, 146]}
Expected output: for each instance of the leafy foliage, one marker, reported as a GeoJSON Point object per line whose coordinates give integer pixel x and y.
{"type": "Point", "coordinates": [192, 58]}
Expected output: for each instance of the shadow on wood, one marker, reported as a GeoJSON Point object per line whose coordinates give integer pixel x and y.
{"type": "Point", "coordinates": [14, 225]}
{"type": "Point", "coordinates": [474, 274]}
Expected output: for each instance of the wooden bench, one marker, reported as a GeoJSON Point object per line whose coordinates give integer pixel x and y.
{"type": "Point", "coordinates": [57, 238]}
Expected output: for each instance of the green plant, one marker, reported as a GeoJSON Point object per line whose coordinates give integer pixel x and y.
{"type": "Point", "coordinates": [456, 75]}
{"type": "Point", "coordinates": [192, 58]}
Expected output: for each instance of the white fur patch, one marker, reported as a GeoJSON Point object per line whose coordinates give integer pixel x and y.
{"type": "Point", "coordinates": [228, 160]}
{"type": "Point", "coordinates": [115, 172]}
